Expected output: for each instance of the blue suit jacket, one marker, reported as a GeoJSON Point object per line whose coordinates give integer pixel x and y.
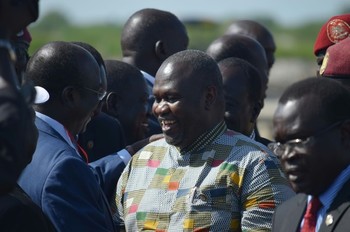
{"type": "Point", "coordinates": [70, 192]}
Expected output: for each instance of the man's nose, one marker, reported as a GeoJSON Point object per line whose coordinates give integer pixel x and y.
{"type": "Point", "coordinates": [161, 108]}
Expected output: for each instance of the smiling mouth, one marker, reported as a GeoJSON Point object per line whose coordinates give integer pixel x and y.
{"type": "Point", "coordinates": [167, 124]}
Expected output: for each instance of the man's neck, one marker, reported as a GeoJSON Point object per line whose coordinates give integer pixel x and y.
{"type": "Point", "coordinates": [205, 138]}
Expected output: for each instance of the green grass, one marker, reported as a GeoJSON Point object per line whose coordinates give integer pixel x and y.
{"type": "Point", "coordinates": [291, 42]}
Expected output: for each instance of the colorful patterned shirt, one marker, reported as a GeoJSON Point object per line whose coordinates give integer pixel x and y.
{"type": "Point", "coordinates": [223, 182]}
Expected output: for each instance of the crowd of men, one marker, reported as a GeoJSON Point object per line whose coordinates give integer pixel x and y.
{"type": "Point", "coordinates": [166, 138]}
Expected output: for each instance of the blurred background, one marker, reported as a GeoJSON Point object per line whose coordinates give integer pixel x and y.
{"type": "Point", "coordinates": [294, 24]}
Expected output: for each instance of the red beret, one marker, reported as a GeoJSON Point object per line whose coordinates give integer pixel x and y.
{"type": "Point", "coordinates": [334, 30]}
{"type": "Point", "coordinates": [336, 63]}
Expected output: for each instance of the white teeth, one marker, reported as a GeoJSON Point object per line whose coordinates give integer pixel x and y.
{"type": "Point", "coordinates": [168, 122]}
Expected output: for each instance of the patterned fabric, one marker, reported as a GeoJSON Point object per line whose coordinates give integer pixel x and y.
{"type": "Point", "coordinates": [223, 182]}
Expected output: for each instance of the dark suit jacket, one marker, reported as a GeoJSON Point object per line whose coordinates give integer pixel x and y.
{"type": "Point", "coordinates": [15, 118]}
{"type": "Point", "coordinates": [288, 216]}
{"type": "Point", "coordinates": [19, 213]}
{"type": "Point", "coordinates": [103, 136]}
{"type": "Point", "coordinates": [70, 192]}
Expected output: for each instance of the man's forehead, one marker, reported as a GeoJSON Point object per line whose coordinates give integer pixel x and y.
{"type": "Point", "coordinates": [174, 70]}
{"type": "Point", "coordinates": [287, 110]}
{"type": "Point", "coordinates": [299, 112]}
{"type": "Point", "coordinates": [168, 69]}
{"type": "Point", "coordinates": [286, 120]}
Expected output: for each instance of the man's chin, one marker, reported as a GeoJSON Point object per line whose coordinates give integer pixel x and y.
{"type": "Point", "coordinates": [171, 140]}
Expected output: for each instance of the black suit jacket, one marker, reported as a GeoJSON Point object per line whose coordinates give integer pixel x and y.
{"type": "Point", "coordinates": [288, 215]}
{"type": "Point", "coordinates": [103, 136]}
{"type": "Point", "coordinates": [19, 213]}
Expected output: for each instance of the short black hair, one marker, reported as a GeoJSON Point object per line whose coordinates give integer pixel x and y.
{"type": "Point", "coordinates": [120, 75]}
{"type": "Point", "coordinates": [253, 76]}
{"type": "Point", "coordinates": [241, 46]}
{"type": "Point", "coordinates": [55, 66]}
{"type": "Point", "coordinates": [93, 51]}
{"type": "Point", "coordinates": [334, 100]}
{"type": "Point", "coordinates": [147, 26]}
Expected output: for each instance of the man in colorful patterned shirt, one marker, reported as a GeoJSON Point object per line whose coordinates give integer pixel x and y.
{"type": "Point", "coordinates": [201, 176]}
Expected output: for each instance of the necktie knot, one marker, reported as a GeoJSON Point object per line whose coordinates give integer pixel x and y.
{"type": "Point", "coordinates": [313, 206]}
{"type": "Point", "coordinates": [310, 217]}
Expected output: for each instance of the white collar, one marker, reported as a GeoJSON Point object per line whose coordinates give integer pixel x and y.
{"type": "Point", "coordinates": [57, 127]}
{"type": "Point", "coordinates": [148, 77]}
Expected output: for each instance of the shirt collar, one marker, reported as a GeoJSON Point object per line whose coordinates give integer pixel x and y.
{"type": "Point", "coordinates": [57, 127]}
{"type": "Point", "coordinates": [328, 196]}
{"type": "Point", "coordinates": [205, 138]}
{"type": "Point", "coordinates": [252, 135]}
{"type": "Point", "coordinates": [148, 77]}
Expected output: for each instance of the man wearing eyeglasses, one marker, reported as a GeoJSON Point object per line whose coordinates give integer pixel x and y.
{"type": "Point", "coordinates": [71, 192]}
{"type": "Point", "coordinates": [312, 130]}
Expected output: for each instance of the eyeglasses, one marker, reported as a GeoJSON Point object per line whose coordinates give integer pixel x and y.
{"type": "Point", "coordinates": [100, 94]}
{"type": "Point", "coordinates": [300, 144]}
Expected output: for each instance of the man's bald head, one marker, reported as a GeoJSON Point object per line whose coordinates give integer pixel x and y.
{"type": "Point", "coordinates": [243, 47]}
{"type": "Point", "coordinates": [146, 26]}
{"type": "Point", "coordinates": [150, 36]}
{"type": "Point", "coordinates": [59, 64]}
{"type": "Point", "coordinates": [193, 64]}
{"type": "Point", "coordinates": [239, 46]}
{"type": "Point", "coordinates": [258, 32]}
{"type": "Point", "coordinates": [198, 70]}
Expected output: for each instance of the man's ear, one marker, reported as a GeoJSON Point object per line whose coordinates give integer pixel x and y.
{"type": "Point", "coordinates": [70, 96]}
{"type": "Point", "coordinates": [210, 97]}
{"type": "Point", "coordinates": [161, 50]}
{"type": "Point", "coordinates": [113, 104]}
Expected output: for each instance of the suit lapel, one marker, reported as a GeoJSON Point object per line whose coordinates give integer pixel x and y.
{"type": "Point", "coordinates": [47, 129]}
{"type": "Point", "coordinates": [340, 204]}
{"type": "Point", "coordinates": [296, 215]}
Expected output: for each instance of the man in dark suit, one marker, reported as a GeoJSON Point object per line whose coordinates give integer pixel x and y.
{"type": "Point", "coordinates": [314, 152]}
{"type": "Point", "coordinates": [69, 191]}
{"type": "Point", "coordinates": [103, 135]}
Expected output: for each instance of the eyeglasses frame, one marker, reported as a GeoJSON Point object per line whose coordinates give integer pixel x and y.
{"type": "Point", "coordinates": [291, 144]}
{"type": "Point", "coordinates": [99, 94]}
